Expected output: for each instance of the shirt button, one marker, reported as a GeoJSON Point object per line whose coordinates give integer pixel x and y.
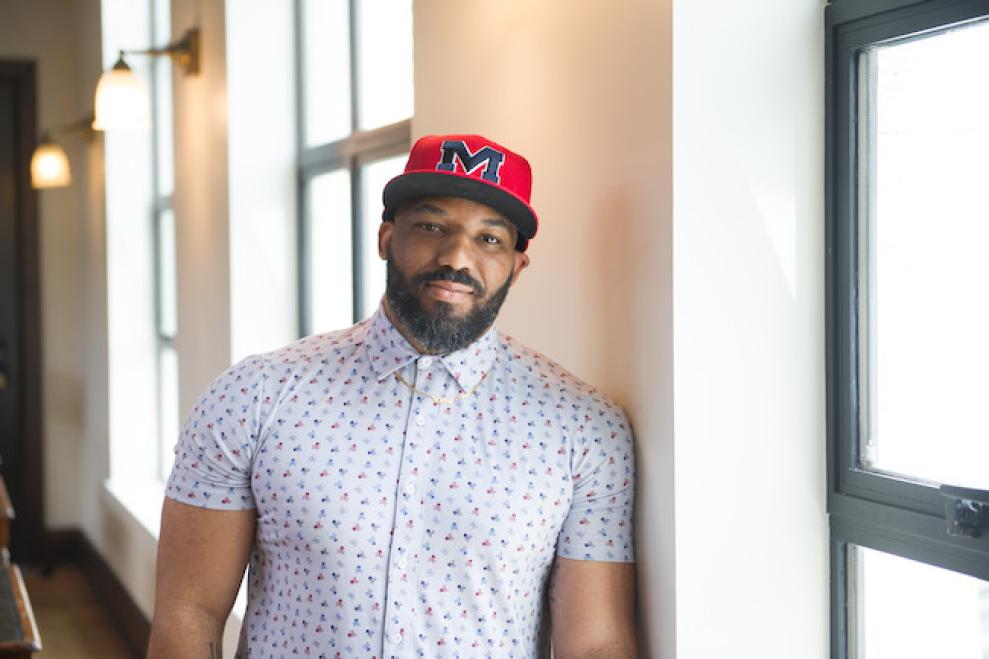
{"type": "Point", "coordinates": [425, 362]}
{"type": "Point", "coordinates": [396, 638]}
{"type": "Point", "coordinates": [402, 563]}
{"type": "Point", "coordinates": [410, 488]}
{"type": "Point", "coordinates": [420, 420]}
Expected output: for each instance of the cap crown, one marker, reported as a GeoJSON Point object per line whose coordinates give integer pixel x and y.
{"type": "Point", "coordinates": [473, 156]}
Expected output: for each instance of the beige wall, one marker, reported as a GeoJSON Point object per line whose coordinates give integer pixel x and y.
{"type": "Point", "coordinates": [201, 206]}
{"type": "Point", "coordinates": [585, 93]}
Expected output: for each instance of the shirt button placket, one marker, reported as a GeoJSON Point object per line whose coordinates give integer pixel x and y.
{"type": "Point", "coordinates": [408, 518]}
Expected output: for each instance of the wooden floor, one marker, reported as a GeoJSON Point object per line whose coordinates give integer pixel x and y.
{"type": "Point", "coordinates": [72, 623]}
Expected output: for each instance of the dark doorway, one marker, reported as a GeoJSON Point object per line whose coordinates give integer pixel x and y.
{"type": "Point", "coordinates": [20, 312]}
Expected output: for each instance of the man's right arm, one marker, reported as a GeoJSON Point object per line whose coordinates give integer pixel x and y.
{"type": "Point", "coordinates": [201, 559]}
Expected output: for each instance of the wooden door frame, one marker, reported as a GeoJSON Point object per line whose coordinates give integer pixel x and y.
{"type": "Point", "coordinates": [26, 482]}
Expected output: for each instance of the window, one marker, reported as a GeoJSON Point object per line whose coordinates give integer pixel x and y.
{"type": "Point", "coordinates": [355, 101]}
{"type": "Point", "coordinates": [140, 257]}
{"type": "Point", "coordinates": [907, 358]}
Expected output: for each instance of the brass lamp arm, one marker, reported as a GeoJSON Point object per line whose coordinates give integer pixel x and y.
{"type": "Point", "coordinates": [184, 51]}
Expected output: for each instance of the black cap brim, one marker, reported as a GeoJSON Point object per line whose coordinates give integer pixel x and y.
{"type": "Point", "coordinates": [426, 184]}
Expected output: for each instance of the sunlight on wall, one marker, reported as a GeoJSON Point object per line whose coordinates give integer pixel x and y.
{"type": "Point", "coordinates": [778, 211]}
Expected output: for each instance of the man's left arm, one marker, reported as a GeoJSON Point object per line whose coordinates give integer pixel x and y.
{"type": "Point", "coordinates": [592, 584]}
{"type": "Point", "coordinates": [592, 609]}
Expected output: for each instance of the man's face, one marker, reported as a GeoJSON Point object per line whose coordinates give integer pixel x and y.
{"type": "Point", "coordinates": [451, 262]}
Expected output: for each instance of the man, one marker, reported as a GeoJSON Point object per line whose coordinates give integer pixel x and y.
{"type": "Point", "coordinates": [410, 486]}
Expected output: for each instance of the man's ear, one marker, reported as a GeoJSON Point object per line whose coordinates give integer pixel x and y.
{"type": "Point", "coordinates": [384, 238]}
{"type": "Point", "coordinates": [521, 263]}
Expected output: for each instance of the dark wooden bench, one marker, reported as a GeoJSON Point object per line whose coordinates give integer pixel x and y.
{"type": "Point", "coordinates": [6, 518]}
{"type": "Point", "coordinates": [19, 638]}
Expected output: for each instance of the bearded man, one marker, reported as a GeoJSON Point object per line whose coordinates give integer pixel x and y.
{"type": "Point", "coordinates": [415, 485]}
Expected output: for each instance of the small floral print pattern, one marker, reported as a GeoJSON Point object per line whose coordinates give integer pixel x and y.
{"type": "Point", "coordinates": [393, 526]}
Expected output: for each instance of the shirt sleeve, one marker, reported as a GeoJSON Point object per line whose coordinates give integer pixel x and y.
{"type": "Point", "coordinates": [213, 456]}
{"type": "Point", "coordinates": [599, 524]}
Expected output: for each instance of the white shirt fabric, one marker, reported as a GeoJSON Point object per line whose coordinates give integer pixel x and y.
{"type": "Point", "coordinates": [391, 525]}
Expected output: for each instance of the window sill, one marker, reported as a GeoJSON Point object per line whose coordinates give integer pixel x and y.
{"type": "Point", "coordinates": [141, 500]}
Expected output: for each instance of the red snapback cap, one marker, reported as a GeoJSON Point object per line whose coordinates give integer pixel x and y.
{"type": "Point", "coordinates": [472, 167]}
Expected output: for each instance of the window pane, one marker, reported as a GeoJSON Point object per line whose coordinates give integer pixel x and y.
{"type": "Point", "coordinates": [331, 304]}
{"type": "Point", "coordinates": [910, 610]}
{"type": "Point", "coordinates": [163, 103]}
{"type": "Point", "coordinates": [163, 127]}
{"type": "Point", "coordinates": [168, 406]}
{"type": "Point", "coordinates": [374, 175]}
{"type": "Point", "coordinates": [384, 59]}
{"type": "Point", "coordinates": [926, 150]}
{"type": "Point", "coordinates": [162, 21]}
{"type": "Point", "coordinates": [167, 304]}
{"type": "Point", "coordinates": [325, 70]}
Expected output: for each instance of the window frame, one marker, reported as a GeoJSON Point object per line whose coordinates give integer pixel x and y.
{"type": "Point", "coordinates": [889, 513]}
{"type": "Point", "coordinates": [161, 204]}
{"type": "Point", "coordinates": [351, 153]}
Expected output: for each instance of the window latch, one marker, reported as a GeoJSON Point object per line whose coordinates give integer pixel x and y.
{"type": "Point", "coordinates": [966, 510]}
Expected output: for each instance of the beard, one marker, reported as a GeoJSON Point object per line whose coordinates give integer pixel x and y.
{"type": "Point", "coordinates": [440, 331]}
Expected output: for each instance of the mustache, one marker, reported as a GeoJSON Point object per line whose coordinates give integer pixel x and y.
{"type": "Point", "coordinates": [449, 274]}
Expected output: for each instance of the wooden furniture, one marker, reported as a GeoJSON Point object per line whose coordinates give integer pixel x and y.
{"type": "Point", "coordinates": [6, 518]}
{"type": "Point", "coordinates": [19, 638]}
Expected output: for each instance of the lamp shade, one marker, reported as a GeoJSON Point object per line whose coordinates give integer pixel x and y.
{"type": "Point", "coordinates": [50, 166]}
{"type": "Point", "coordinates": [122, 100]}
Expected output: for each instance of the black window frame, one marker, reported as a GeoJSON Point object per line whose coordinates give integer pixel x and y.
{"type": "Point", "coordinates": [351, 152]}
{"type": "Point", "coordinates": [868, 509]}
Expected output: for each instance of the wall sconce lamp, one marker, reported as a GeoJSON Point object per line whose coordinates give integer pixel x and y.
{"type": "Point", "coordinates": [121, 101]}
{"type": "Point", "coordinates": [49, 164]}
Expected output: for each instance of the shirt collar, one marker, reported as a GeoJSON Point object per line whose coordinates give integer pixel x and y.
{"type": "Point", "coordinates": [388, 351]}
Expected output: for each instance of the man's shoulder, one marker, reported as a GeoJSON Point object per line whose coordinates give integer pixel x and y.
{"type": "Point", "coordinates": [317, 348]}
{"type": "Point", "coordinates": [535, 370]}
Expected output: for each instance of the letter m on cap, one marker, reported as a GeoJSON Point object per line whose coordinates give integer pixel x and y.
{"type": "Point", "coordinates": [490, 158]}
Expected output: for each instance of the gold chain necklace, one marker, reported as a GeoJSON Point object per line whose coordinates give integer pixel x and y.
{"type": "Point", "coordinates": [438, 400]}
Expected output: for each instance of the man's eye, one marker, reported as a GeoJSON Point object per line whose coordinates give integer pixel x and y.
{"type": "Point", "coordinates": [490, 240]}
{"type": "Point", "coordinates": [428, 226]}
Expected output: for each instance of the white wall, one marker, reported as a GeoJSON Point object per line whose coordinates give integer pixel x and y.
{"type": "Point", "coordinates": [751, 531]}
{"type": "Point", "coordinates": [583, 91]}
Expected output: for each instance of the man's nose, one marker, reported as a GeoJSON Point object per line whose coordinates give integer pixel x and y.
{"type": "Point", "coordinates": [456, 251]}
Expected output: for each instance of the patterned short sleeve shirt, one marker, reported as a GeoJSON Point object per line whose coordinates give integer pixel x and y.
{"type": "Point", "coordinates": [415, 519]}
